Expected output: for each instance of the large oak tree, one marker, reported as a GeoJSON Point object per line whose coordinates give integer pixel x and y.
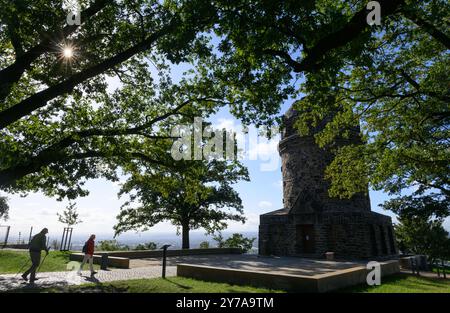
{"type": "Point", "coordinates": [197, 194]}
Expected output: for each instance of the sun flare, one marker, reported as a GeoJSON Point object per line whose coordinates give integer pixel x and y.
{"type": "Point", "coordinates": [68, 52]}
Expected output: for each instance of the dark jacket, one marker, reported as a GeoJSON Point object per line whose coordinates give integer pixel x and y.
{"type": "Point", "coordinates": [38, 243]}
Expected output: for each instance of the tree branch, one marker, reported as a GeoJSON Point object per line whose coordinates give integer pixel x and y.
{"type": "Point", "coordinates": [355, 27]}
{"type": "Point", "coordinates": [12, 27]}
{"type": "Point", "coordinates": [428, 27]}
{"type": "Point", "coordinates": [55, 152]}
{"type": "Point", "coordinates": [416, 86]}
{"type": "Point", "coordinates": [9, 176]}
{"type": "Point", "coordinates": [41, 98]}
{"type": "Point", "coordinates": [12, 74]}
{"type": "Point", "coordinates": [296, 66]}
{"type": "Point", "coordinates": [350, 31]}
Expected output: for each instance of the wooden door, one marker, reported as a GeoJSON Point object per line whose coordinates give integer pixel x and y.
{"type": "Point", "coordinates": [305, 237]}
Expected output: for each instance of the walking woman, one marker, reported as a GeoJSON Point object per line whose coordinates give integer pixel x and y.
{"type": "Point", "coordinates": [88, 250]}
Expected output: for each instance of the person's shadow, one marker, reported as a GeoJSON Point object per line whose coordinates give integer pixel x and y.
{"type": "Point", "coordinates": [101, 287]}
{"type": "Point", "coordinates": [92, 279]}
{"type": "Point", "coordinates": [177, 284]}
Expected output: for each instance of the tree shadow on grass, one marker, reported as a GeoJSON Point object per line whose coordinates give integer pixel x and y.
{"type": "Point", "coordinates": [233, 289]}
{"type": "Point", "coordinates": [400, 281]}
{"type": "Point", "coordinates": [99, 288]}
{"type": "Point", "coordinates": [434, 282]}
{"type": "Point", "coordinates": [96, 286]}
{"type": "Point", "coordinates": [179, 285]}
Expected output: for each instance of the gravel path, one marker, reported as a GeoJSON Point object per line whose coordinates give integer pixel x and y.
{"type": "Point", "coordinates": [62, 279]}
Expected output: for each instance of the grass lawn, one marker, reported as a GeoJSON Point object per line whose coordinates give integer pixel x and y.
{"type": "Point", "coordinates": [447, 270]}
{"type": "Point", "coordinates": [153, 285]}
{"type": "Point", "coordinates": [405, 283]}
{"type": "Point", "coordinates": [400, 283]}
{"type": "Point", "coordinates": [12, 261]}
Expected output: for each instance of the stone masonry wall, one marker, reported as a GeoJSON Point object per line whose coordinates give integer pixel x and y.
{"type": "Point", "coordinates": [348, 234]}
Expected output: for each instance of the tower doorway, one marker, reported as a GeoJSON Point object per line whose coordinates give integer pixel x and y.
{"type": "Point", "coordinates": [305, 238]}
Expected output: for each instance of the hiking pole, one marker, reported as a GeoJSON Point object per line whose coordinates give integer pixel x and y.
{"type": "Point", "coordinates": [22, 268]}
{"type": "Point", "coordinates": [39, 268]}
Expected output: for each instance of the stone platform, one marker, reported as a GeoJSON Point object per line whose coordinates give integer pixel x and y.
{"type": "Point", "coordinates": [288, 273]}
{"type": "Point", "coordinates": [253, 262]}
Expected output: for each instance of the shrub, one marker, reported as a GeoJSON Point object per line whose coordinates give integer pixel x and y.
{"type": "Point", "coordinates": [204, 245]}
{"type": "Point", "coordinates": [146, 246]}
{"type": "Point", "coordinates": [235, 241]}
{"type": "Point", "coordinates": [111, 245]}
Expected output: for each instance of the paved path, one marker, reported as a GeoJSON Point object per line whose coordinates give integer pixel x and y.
{"type": "Point", "coordinates": [63, 279]}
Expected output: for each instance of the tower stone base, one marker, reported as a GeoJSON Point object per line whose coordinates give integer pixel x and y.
{"type": "Point", "coordinates": [350, 235]}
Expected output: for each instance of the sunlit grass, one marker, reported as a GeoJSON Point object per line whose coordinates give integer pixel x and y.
{"type": "Point", "coordinates": [14, 261]}
{"type": "Point", "coordinates": [405, 283]}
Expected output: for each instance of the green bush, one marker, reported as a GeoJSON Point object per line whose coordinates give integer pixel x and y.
{"type": "Point", "coordinates": [235, 241]}
{"type": "Point", "coordinates": [146, 246]}
{"type": "Point", "coordinates": [111, 245]}
{"type": "Point", "coordinates": [204, 245]}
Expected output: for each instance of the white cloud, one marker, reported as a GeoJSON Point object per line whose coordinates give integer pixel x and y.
{"type": "Point", "coordinates": [118, 184]}
{"type": "Point", "coordinates": [265, 150]}
{"type": "Point", "coordinates": [253, 143]}
{"type": "Point", "coordinates": [251, 224]}
{"type": "Point", "coordinates": [46, 213]}
{"type": "Point", "coordinates": [264, 205]}
{"type": "Point", "coordinates": [278, 184]}
{"type": "Point", "coordinates": [31, 203]}
{"type": "Point", "coordinates": [226, 123]}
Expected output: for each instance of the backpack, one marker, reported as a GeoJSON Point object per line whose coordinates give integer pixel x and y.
{"type": "Point", "coordinates": [37, 243]}
{"type": "Point", "coordinates": [84, 250]}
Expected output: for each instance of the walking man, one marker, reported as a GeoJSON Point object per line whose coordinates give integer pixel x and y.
{"type": "Point", "coordinates": [37, 244]}
{"type": "Point", "coordinates": [88, 250]}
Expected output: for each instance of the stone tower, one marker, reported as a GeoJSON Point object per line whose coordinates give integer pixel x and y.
{"type": "Point", "coordinates": [311, 222]}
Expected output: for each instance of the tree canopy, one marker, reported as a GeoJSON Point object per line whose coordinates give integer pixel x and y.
{"type": "Point", "coordinates": [423, 236]}
{"type": "Point", "coordinates": [4, 208]}
{"type": "Point", "coordinates": [390, 79]}
{"type": "Point", "coordinates": [60, 124]}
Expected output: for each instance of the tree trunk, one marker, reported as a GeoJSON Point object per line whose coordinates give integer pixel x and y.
{"type": "Point", "coordinates": [185, 235]}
